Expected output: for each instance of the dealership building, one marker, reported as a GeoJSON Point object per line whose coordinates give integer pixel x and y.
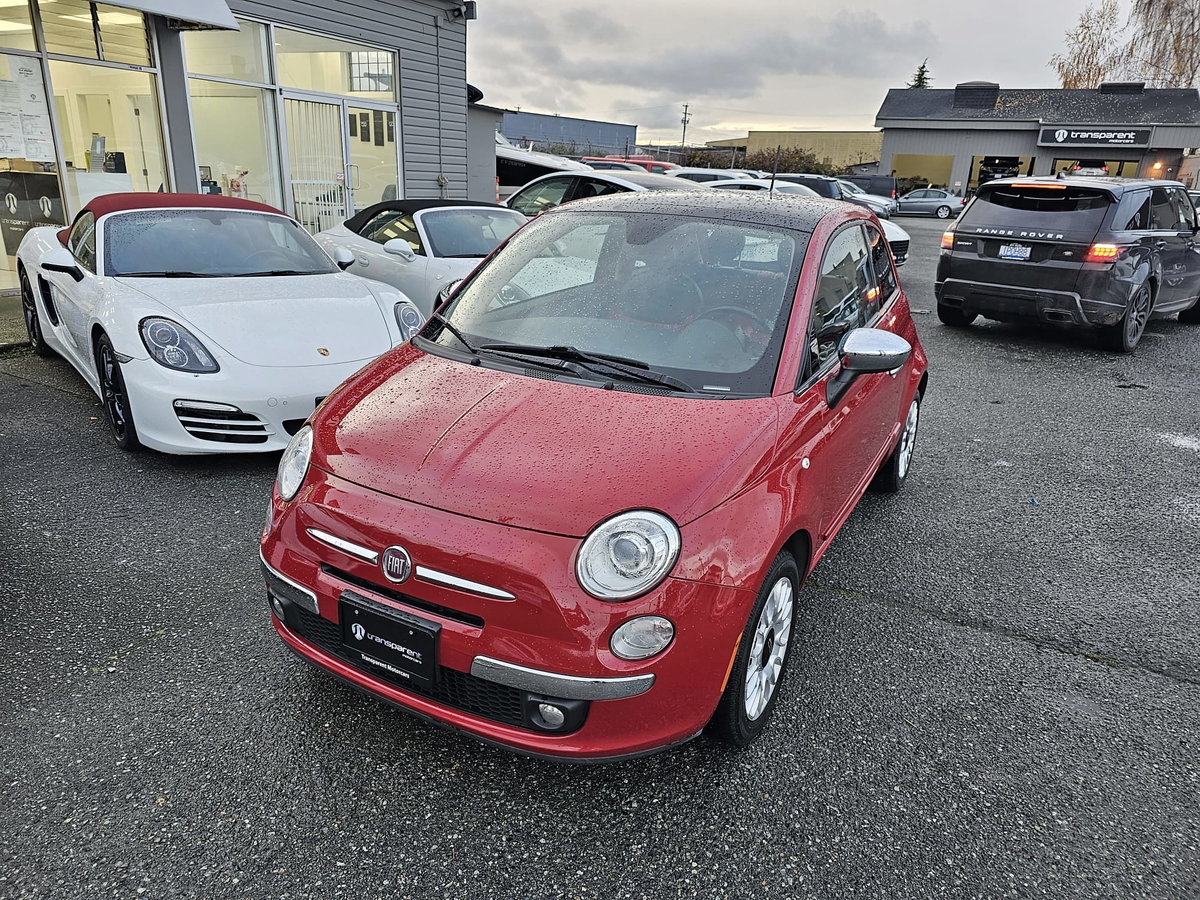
{"type": "Point", "coordinates": [977, 131]}
{"type": "Point", "coordinates": [318, 109]}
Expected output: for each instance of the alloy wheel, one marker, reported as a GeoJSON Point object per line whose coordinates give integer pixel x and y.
{"type": "Point", "coordinates": [943, 212]}
{"type": "Point", "coordinates": [1137, 316]}
{"type": "Point", "coordinates": [769, 648]}
{"type": "Point", "coordinates": [112, 385]}
{"type": "Point", "coordinates": [33, 327]}
{"type": "Point", "coordinates": [908, 440]}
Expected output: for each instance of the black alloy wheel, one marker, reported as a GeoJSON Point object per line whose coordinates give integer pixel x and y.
{"type": "Point", "coordinates": [114, 395]}
{"type": "Point", "coordinates": [33, 323]}
{"type": "Point", "coordinates": [762, 658]}
{"type": "Point", "coordinates": [1124, 336]}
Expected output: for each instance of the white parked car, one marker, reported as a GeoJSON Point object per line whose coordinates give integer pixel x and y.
{"type": "Point", "coordinates": [205, 324]}
{"type": "Point", "coordinates": [420, 246]}
{"type": "Point", "coordinates": [694, 173]}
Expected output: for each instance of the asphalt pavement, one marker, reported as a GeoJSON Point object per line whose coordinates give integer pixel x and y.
{"type": "Point", "coordinates": [996, 691]}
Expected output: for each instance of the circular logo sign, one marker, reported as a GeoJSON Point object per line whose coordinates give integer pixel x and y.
{"type": "Point", "coordinates": [396, 564]}
{"type": "Point", "coordinates": [1060, 135]}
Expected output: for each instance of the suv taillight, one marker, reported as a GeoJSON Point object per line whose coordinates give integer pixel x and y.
{"type": "Point", "coordinates": [1102, 253]}
{"type": "Point", "coordinates": [948, 240]}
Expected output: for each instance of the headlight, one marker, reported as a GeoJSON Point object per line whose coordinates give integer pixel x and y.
{"type": "Point", "coordinates": [408, 318]}
{"type": "Point", "coordinates": [627, 555]}
{"type": "Point", "coordinates": [444, 293]}
{"type": "Point", "coordinates": [173, 346]}
{"type": "Point", "coordinates": [642, 637]}
{"type": "Point", "coordinates": [294, 464]}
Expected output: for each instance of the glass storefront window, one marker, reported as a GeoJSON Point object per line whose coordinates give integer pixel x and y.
{"type": "Point", "coordinates": [95, 31]}
{"type": "Point", "coordinates": [16, 25]}
{"type": "Point", "coordinates": [111, 134]}
{"type": "Point", "coordinates": [238, 55]}
{"type": "Point", "coordinates": [236, 140]}
{"type": "Point", "coordinates": [29, 189]}
{"type": "Point", "coordinates": [312, 62]}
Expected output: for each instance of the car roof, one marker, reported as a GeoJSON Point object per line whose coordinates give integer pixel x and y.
{"type": "Point", "coordinates": [1103, 182]}
{"type": "Point", "coordinates": [805, 175]}
{"type": "Point", "coordinates": [752, 207]}
{"type": "Point", "coordinates": [106, 204]}
{"type": "Point", "coordinates": [408, 207]}
{"type": "Point", "coordinates": [633, 181]}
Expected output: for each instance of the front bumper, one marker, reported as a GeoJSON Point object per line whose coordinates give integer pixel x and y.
{"type": "Point", "coordinates": [270, 402]}
{"type": "Point", "coordinates": [498, 659]}
{"type": "Point", "coordinates": [1009, 303]}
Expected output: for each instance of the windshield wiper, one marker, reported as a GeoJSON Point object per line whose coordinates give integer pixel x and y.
{"type": "Point", "coordinates": [462, 256]}
{"type": "Point", "coordinates": [454, 331]}
{"type": "Point", "coordinates": [276, 272]}
{"type": "Point", "coordinates": [631, 369]}
{"type": "Point", "coordinates": [170, 274]}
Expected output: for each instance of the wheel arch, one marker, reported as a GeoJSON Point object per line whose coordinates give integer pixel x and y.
{"type": "Point", "coordinates": [800, 546]}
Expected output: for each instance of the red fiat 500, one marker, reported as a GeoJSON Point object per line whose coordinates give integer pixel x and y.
{"type": "Point", "coordinates": [572, 515]}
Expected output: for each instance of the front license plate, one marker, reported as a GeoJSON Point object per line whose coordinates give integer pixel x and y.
{"type": "Point", "coordinates": [1014, 251]}
{"type": "Point", "coordinates": [387, 642]}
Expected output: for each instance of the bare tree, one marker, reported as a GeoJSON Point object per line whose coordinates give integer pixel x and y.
{"type": "Point", "coordinates": [1164, 49]}
{"type": "Point", "coordinates": [1094, 51]}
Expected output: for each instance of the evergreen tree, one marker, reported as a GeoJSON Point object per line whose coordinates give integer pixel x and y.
{"type": "Point", "coordinates": [921, 77]}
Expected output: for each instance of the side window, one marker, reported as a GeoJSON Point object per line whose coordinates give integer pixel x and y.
{"type": "Point", "coordinates": [659, 169]}
{"type": "Point", "coordinates": [1185, 212]}
{"type": "Point", "coordinates": [885, 274]}
{"type": "Point", "coordinates": [79, 231]}
{"type": "Point", "coordinates": [839, 305]}
{"type": "Point", "coordinates": [1139, 218]}
{"type": "Point", "coordinates": [85, 253]}
{"type": "Point", "coordinates": [535, 200]}
{"type": "Point", "coordinates": [390, 224]}
{"type": "Point", "coordinates": [591, 187]}
{"type": "Point", "coordinates": [1163, 216]}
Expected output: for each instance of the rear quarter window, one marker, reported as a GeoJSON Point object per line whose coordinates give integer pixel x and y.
{"type": "Point", "coordinates": [1057, 208]}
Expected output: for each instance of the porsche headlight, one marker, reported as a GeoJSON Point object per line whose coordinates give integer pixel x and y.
{"type": "Point", "coordinates": [627, 555]}
{"type": "Point", "coordinates": [293, 466]}
{"type": "Point", "coordinates": [408, 319]}
{"type": "Point", "coordinates": [173, 346]}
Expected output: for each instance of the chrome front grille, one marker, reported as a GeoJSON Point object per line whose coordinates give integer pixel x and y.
{"type": "Point", "coordinates": [220, 422]}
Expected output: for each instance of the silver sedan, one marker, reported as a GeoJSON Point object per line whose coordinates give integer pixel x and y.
{"type": "Point", "coordinates": [931, 202]}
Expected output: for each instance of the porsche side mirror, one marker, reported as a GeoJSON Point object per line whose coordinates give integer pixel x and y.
{"type": "Point", "coordinates": [61, 260]}
{"type": "Point", "coordinates": [400, 247]}
{"type": "Point", "coordinates": [866, 351]}
{"type": "Point", "coordinates": [343, 257]}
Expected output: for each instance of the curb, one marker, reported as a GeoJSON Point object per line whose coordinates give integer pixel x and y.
{"type": "Point", "coordinates": [4, 348]}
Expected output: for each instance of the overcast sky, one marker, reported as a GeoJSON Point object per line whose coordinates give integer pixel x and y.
{"type": "Point", "coordinates": [754, 64]}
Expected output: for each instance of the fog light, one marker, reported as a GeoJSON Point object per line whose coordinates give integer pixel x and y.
{"type": "Point", "coordinates": [277, 607]}
{"type": "Point", "coordinates": [551, 715]}
{"type": "Point", "coordinates": [642, 638]}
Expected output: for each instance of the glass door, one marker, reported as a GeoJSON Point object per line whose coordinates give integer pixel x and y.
{"type": "Point", "coordinates": [317, 162]}
{"type": "Point", "coordinates": [374, 172]}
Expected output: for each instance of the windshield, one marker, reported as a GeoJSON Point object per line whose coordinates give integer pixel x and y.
{"type": "Point", "coordinates": [1054, 206]}
{"type": "Point", "coordinates": [462, 233]}
{"type": "Point", "coordinates": [209, 243]}
{"type": "Point", "coordinates": [700, 300]}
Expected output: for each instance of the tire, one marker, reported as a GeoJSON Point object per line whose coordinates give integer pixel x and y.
{"type": "Point", "coordinates": [894, 472]}
{"type": "Point", "coordinates": [1125, 335]}
{"type": "Point", "coordinates": [1191, 316]}
{"type": "Point", "coordinates": [954, 316]}
{"type": "Point", "coordinates": [114, 396]}
{"type": "Point", "coordinates": [758, 671]}
{"type": "Point", "coordinates": [943, 212]}
{"type": "Point", "coordinates": [33, 322]}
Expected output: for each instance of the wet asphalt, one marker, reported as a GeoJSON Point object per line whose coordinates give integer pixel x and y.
{"type": "Point", "coordinates": [996, 691]}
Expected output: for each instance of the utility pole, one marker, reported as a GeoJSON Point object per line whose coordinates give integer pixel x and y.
{"type": "Point", "coordinates": [687, 117]}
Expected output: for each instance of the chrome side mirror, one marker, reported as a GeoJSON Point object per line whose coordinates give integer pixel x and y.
{"type": "Point", "coordinates": [400, 247]}
{"type": "Point", "coordinates": [343, 257]}
{"type": "Point", "coordinates": [866, 351]}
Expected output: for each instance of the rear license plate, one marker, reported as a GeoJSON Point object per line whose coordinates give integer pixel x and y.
{"type": "Point", "coordinates": [1014, 251]}
{"type": "Point", "coordinates": [388, 642]}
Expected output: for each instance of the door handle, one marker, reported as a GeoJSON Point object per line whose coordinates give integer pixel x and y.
{"type": "Point", "coordinates": [1160, 245]}
{"type": "Point", "coordinates": [356, 180]}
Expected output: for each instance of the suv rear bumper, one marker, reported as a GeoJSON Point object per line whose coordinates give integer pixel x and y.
{"type": "Point", "coordinates": [1008, 303]}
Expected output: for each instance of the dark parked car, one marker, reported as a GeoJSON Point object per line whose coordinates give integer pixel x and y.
{"type": "Point", "coordinates": [829, 187]}
{"type": "Point", "coordinates": [1104, 253]}
{"type": "Point", "coordinates": [880, 185]}
{"type": "Point", "coordinates": [558, 188]}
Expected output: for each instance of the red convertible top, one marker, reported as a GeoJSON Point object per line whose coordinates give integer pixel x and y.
{"type": "Point", "coordinates": [111, 203]}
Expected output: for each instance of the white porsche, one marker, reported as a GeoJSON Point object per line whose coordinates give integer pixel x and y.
{"type": "Point", "coordinates": [420, 246]}
{"type": "Point", "coordinates": [205, 324]}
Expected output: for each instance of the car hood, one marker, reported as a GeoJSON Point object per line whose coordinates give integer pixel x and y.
{"type": "Point", "coordinates": [537, 454]}
{"type": "Point", "coordinates": [278, 321]}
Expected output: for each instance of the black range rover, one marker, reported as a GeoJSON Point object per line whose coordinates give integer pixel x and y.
{"type": "Point", "coordinates": [1104, 253]}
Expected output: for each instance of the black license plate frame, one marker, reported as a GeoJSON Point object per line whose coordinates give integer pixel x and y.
{"type": "Point", "coordinates": [388, 642]}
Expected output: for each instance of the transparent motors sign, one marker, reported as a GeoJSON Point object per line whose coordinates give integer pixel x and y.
{"type": "Point", "coordinates": [1093, 136]}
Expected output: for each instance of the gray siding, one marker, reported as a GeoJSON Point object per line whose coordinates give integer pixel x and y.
{"type": "Point", "coordinates": [433, 74]}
